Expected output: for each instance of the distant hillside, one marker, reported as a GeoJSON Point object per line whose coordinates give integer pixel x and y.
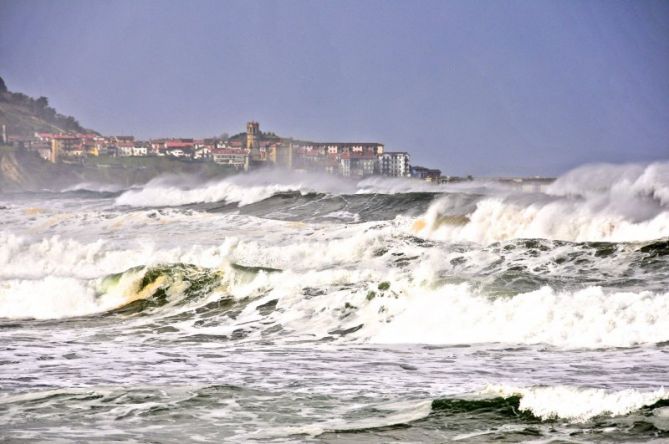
{"type": "Point", "coordinates": [24, 115]}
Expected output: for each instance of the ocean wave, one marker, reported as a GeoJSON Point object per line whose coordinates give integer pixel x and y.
{"type": "Point", "coordinates": [587, 318]}
{"type": "Point", "coordinates": [137, 290]}
{"type": "Point", "coordinates": [577, 404]}
{"type": "Point", "coordinates": [257, 186]}
{"type": "Point", "coordinates": [617, 203]}
{"type": "Point", "coordinates": [94, 187]}
{"type": "Point", "coordinates": [347, 208]}
{"type": "Point", "coordinates": [371, 282]}
{"type": "Point", "coordinates": [242, 189]}
{"type": "Point", "coordinates": [624, 183]}
{"type": "Point", "coordinates": [23, 258]}
{"type": "Point", "coordinates": [347, 305]}
{"type": "Point", "coordinates": [60, 297]}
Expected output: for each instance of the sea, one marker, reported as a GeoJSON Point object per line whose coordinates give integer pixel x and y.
{"type": "Point", "coordinates": [279, 306]}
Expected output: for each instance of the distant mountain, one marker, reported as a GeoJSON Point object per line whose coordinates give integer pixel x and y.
{"type": "Point", "coordinates": [24, 115]}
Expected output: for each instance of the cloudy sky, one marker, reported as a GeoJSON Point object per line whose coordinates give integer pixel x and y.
{"type": "Point", "coordinates": [471, 87]}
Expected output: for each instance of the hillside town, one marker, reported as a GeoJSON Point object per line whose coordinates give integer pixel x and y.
{"type": "Point", "coordinates": [242, 152]}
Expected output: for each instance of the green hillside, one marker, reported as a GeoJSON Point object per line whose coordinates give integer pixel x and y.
{"type": "Point", "coordinates": [24, 115]}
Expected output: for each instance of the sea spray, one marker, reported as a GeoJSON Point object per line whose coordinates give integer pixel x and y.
{"type": "Point", "coordinates": [242, 189]}
{"type": "Point", "coordinates": [355, 313]}
{"type": "Point", "coordinates": [593, 203]}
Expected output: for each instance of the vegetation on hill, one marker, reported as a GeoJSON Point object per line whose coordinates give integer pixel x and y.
{"type": "Point", "coordinates": [25, 115]}
{"type": "Point", "coordinates": [266, 136]}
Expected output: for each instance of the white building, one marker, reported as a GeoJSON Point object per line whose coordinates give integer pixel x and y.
{"type": "Point", "coordinates": [176, 152]}
{"type": "Point", "coordinates": [394, 164]}
{"type": "Point", "coordinates": [124, 150]}
{"type": "Point", "coordinates": [131, 150]}
{"type": "Point", "coordinates": [138, 150]}
{"type": "Point", "coordinates": [357, 166]}
{"type": "Point", "coordinates": [202, 152]}
{"type": "Point", "coordinates": [237, 158]}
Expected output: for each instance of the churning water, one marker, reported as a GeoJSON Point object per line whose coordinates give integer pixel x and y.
{"type": "Point", "coordinates": [279, 307]}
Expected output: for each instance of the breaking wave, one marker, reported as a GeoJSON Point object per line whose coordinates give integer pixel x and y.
{"type": "Point", "coordinates": [245, 189]}
{"type": "Point", "coordinates": [616, 203]}
{"type": "Point", "coordinates": [578, 404]}
{"type": "Point", "coordinates": [501, 288]}
{"type": "Point", "coordinates": [242, 189]}
{"type": "Point", "coordinates": [374, 282]}
{"type": "Point", "coordinates": [350, 208]}
{"type": "Point", "coordinates": [93, 187]}
{"type": "Point", "coordinates": [588, 318]}
{"type": "Point", "coordinates": [139, 289]}
{"type": "Point", "coordinates": [345, 306]}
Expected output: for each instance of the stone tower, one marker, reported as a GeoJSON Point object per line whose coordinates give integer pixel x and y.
{"type": "Point", "coordinates": [253, 137]}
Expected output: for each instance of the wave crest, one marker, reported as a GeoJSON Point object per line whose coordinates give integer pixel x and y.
{"type": "Point", "coordinates": [576, 403]}
{"type": "Point", "coordinates": [616, 203]}
{"type": "Point", "coordinates": [136, 290]}
{"type": "Point", "coordinates": [242, 189]}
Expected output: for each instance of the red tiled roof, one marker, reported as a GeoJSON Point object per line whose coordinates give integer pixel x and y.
{"type": "Point", "coordinates": [178, 144]}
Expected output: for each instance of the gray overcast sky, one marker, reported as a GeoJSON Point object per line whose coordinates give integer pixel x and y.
{"type": "Point", "coordinates": [481, 87]}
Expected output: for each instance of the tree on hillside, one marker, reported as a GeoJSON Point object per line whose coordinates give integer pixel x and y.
{"type": "Point", "coordinates": [39, 106]}
{"type": "Point", "coordinates": [21, 99]}
{"type": "Point", "coordinates": [71, 124]}
{"type": "Point", "coordinates": [42, 102]}
{"type": "Point", "coordinates": [40, 109]}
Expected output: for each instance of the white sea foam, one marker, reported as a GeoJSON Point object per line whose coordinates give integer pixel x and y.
{"type": "Point", "coordinates": [248, 188]}
{"type": "Point", "coordinates": [412, 312]}
{"type": "Point", "coordinates": [57, 277]}
{"type": "Point", "coordinates": [577, 403]}
{"type": "Point", "coordinates": [63, 297]}
{"type": "Point", "coordinates": [454, 314]}
{"type": "Point", "coordinates": [416, 309]}
{"type": "Point", "coordinates": [344, 263]}
{"type": "Point", "coordinates": [24, 259]}
{"type": "Point", "coordinates": [56, 252]}
{"type": "Point", "coordinates": [451, 314]}
{"type": "Point", "coordinates": [398, 185]}
{"type": "Point", "coordinates": [592, 203]}
{"type": "Point", "coordinates": [627, 182]}
{"type": "Point", "coordinates": [59, 297]}
{"type": "Point", "coordinates": [95, 187]}
{"type": "Point", "coordinates": [617, 203]}
{"type": "Point", "coordinates": [396, 412]}
{"type": "Point", "coordinates": [242, 189]}
{"type": "Point", "coordinates": [387, 185]}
